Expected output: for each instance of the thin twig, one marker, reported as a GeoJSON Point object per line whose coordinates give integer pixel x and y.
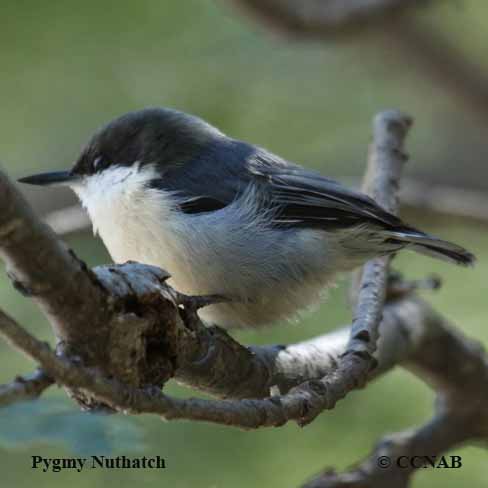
{"type": "Point", "coordinates": [386, 160]}
{"type": "Point", "coordinates": [24, 388]}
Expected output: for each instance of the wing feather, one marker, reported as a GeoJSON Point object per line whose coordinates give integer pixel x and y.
{"type": "Point", "coordinates": [306, 198]}
{"type": "Point", "coordinates": [300, 197]}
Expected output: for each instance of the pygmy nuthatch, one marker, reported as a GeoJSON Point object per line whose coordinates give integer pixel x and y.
{"type": "Point", "coordinates": [228, 218]}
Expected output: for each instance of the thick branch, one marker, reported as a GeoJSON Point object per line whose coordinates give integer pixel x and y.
{"type": "Point", "coordinates": [43, 268]}
{"type": "Point", "coordinates": [243, 413]}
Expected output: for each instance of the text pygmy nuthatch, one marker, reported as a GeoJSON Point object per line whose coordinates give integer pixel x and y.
{"type": "Point", "coordinates": [224, 217]}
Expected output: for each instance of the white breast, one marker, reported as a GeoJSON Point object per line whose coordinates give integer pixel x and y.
{"type": "Point", "coordinates": [269, 274]}
{"type": "Point", "coordinates": [135, 222]}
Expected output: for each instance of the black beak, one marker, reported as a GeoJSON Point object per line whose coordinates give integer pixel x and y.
{"type": "Point", "coordinates": [52, 178]}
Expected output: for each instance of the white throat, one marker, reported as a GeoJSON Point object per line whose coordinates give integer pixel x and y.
{"type": "Point", "coordinates": [134, 220]}
{"type": "Point", "coordinates": [111, 194]}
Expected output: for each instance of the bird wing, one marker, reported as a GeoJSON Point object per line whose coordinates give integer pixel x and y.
{"type": "Point", "coordinates": [307, 199]}
{"type": "Point", "coordinates": [301, 198]}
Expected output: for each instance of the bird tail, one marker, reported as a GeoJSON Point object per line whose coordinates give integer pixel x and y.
{"type": "Point", "coordinates": [432, 246]}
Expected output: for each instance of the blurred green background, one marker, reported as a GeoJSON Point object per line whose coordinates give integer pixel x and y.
{"type": "Point", "coordinates": [67, 67]}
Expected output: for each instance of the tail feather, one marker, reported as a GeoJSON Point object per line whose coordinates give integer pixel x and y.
{"type": "Point", "coordinates": [433, 247]}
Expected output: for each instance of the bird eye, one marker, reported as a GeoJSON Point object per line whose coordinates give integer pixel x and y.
{"type": "Point", "coordinates": [98, 163]}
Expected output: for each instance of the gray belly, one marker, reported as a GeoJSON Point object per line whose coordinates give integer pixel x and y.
{"type": "Point", "coordinates": [267, 276]}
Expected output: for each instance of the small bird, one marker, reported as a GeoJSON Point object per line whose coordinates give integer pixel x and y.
{"type": "Point", "coordinates": [228, 218]}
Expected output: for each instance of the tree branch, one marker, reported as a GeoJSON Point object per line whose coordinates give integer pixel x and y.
{"type": "Point", "coordinates": [22, 389]}
{"type": "Point", "coordinates": [42, 267]}
{"type": "Point", "coordinates": [324, 18]}
{"type": "Point", "coordinates": [246, 413]}
{"type": "Point", "coordinates": [380, 469]}
{"type": "Point", "coordinates": [435, 56]}
{"type": "Point", "coordinates": [446, 199]}
{"type": "Point", "coordinates": [242, 413]}
{"type": "Point", "coordinates": [441, 60]}
{"type": "Point", "coordinates": [458, 369]}
{"type": "Point", "coordinates": [385, 163]}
